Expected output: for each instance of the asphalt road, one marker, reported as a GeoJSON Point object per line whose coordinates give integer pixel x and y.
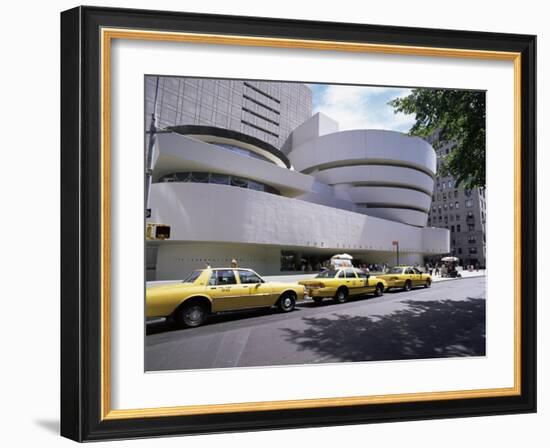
{"type": "Point", "coordinates": [446, 320]}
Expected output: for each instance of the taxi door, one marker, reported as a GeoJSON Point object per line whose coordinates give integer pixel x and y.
{"type": "Point", "coordinates": [226, 293]}
{"type": "Point", "coordinates": [259, 293]}
{"type": "Point", "coordinates": [354, 284]}
{"type": "Point", "coordinates": [416, 277]}
{"type": "Point", "coordinates": [366, 285]}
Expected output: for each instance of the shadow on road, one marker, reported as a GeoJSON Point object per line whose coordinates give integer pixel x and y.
{"type": "Point", "coordinates": [169, 325]}
{"type": "Point", "coordinates": [424, 329]}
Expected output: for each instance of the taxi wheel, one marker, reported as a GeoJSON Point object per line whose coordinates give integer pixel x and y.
{"type": "Point", "coordinates": [407, 286]}
{"type": "Point", "coordinates": [287, 302]}
{"type": "Point", "coordinates": [428, 283]}
{"type": "Point", "coordinates": [379, 290]}
{"type": "Point", "coordinates": [192, 315]}
{"type": "Point", "coordinates": [341, 295]}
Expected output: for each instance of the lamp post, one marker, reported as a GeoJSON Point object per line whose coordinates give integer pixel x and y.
{"type": "Point", "coordinates": [150, 149]}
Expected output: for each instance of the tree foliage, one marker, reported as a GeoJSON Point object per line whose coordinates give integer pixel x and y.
{"type": "Point", "coordinates": [455, 116]}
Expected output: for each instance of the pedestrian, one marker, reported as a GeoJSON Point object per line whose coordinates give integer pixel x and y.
{"type": "Point", "coordinates": [207, 265]}
{"type": "Point", "coordinates": [234, 263]}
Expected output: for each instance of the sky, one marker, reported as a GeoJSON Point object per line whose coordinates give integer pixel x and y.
{"type": "Point", "coordinates": [361, 107]}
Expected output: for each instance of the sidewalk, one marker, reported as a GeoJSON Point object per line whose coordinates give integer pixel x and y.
{"type": "Point", "coordinates": [463, 274]}
{"type": "Point", "coordinates": [299, 277]}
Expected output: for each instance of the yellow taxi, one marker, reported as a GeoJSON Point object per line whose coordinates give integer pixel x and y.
{"type": "Point", "coordinates": [208, 291]}
{"type": "Point", "coordinates": [406, 277]}
{"type": "Point", "coordinates": [342, 283]}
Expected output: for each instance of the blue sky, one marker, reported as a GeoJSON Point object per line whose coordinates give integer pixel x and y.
{"type": "Point", "coordinates": [361, 107]}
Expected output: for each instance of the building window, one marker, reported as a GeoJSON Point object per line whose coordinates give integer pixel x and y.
{"type": "Point", "coordinates": [219, 179]}
{"type": "Point", "coordinates": [456, 205]}
{"type": "Point", "coordinates": [444, 196]}
{"type": "Point", "coordinates": [452, 229]}
{"type": "Point", "coordinates": [450, 184]}
{"type": "Point", "coordinates": [451, 205]}
{"type": "Point", "coordinates": [444, 206]}
{"type": "Point", "coordinates": [458, 227]}
{"type": "Point", "coordinates": [472, 239]}
{"type": "Point", "coordinates": [460, 250]}
{"type": "Point", "coordinates": [472, 250]}
{"type": "Point", "coordinates": [467, 193]}
{"type": "Point", "coordinates": [452, 217]}
{"type": "Point", "coordinates": [458, 217]}
{"type": "Point", "coordinates": [469, 203]}
{"type": "Point", "coordinates": [471, 227]}
{"type": "Point", "coordinates": [456, 193]}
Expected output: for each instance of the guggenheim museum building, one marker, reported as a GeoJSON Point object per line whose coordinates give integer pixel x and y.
{"type": "Point", "coordinates": [243, 170]}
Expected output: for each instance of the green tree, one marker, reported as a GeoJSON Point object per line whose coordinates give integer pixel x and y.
{"type": "Point", "coordinates": [457, 116]}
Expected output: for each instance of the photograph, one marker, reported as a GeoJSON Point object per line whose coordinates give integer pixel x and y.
{"type": "Point", "coordinates": [297, 223]}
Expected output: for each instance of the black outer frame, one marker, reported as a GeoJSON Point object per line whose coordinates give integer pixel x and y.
{"type": "Point", "coordinates": [81, 208]}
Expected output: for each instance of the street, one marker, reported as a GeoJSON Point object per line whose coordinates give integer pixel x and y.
{"type": "Point", "coordinates": [446, 320]}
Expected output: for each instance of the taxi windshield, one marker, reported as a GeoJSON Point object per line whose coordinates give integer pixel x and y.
{"type": "Point", "coordinates": [395, 271]}
{"type": "Point", "coordinates": [327, 274]}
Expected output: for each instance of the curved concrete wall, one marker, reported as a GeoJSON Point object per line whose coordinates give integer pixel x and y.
{"type": "Point", "coordinates": [220, 213]}
{"type": "Point", "coordinates": [373, 168]}
{"type": "Point", "coordinates": [390, 196]}
{"type": "Point", "coordinates": [412, 217]}
{"type": "Point", "coordinates": [364, 146]}
{"type": "Point", "coordinates": [377, 174]}
{"type": "Point", "coordinates": [181, 153]}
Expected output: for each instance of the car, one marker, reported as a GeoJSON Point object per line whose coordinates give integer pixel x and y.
{"type": "Point", "coordinates": [214, 290]}
{"type": "Point", "coordinates": [406, 278]}
{"type": "Point", "coordinates": [341, 283]}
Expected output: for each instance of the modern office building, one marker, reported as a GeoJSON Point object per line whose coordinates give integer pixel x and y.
{"type": "Point", "coordinates": [461, 211]}
{"type": "Point", "coordinates": [287, 207]}
{"type": "Point", "coordinates": [269, 111]}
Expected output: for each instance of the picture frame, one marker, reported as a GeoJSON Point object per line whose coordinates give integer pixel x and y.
{"type": "Point", "coordinates": [86, 37]}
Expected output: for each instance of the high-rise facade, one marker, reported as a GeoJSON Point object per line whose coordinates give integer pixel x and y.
{"type": "Point", "coordinates": [267, 110]}
{"type": "Point", "coordinates": [462, 211]}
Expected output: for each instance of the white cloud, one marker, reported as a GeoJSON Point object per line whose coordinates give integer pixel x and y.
{"type": "Point", "coordinates": [356, 107]}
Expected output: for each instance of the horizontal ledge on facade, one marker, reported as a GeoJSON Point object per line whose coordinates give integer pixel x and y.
{"type": "Point", "coordinates": [403, 186]}
{"type": "Point", "coordinates": [367, 162]}
{"type": "Point", "coordinates": [368, 205]}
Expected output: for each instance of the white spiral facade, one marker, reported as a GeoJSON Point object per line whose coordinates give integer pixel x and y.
{"type": "Point", "coordinates": [383, 173]}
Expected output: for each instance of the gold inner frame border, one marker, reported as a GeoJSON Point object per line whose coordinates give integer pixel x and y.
{"type": "Point", "coordinates": [107, 35]}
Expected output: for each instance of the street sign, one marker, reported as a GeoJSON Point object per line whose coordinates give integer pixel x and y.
{"type": "Point", "coordinates": [395, 243]}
